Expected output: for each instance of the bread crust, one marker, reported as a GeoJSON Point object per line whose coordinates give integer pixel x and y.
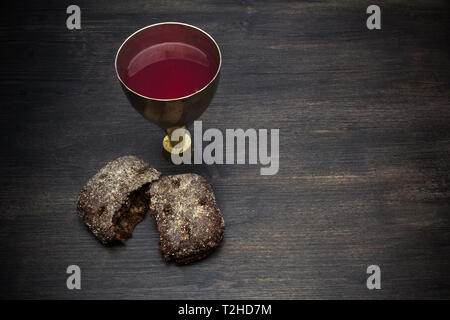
{"type": "Point", "coordinates": [110, 202]}
{"type": "Point", "coordinates": [187, 217]}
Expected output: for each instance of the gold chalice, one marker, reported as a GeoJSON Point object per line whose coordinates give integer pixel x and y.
{"type": "Point", "coordinates": [169, 72]}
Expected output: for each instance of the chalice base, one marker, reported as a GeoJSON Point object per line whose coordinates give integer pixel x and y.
{"type": "Point", "coordinates": [169, 147]}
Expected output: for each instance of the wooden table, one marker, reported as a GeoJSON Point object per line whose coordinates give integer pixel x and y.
{"type": "Point", "coordinates": [364, 173]}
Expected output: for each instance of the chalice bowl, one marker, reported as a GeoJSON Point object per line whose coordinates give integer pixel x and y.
{"type": "Point", "coordinates": [169, 72]}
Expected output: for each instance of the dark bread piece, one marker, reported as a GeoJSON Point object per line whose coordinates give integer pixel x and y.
{"type": "Point", "coordinates": [187, 216]}
{"type": "Point", "coordinates": [115, 199]}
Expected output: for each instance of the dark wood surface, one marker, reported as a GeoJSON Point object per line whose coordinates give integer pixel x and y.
{"type": "Point", "coordinates": [364, 174]}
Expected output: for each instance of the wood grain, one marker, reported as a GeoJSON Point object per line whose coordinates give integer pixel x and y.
{"type": "Point", "coordinates": [364, 174]}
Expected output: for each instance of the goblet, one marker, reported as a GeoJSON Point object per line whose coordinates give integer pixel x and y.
{"type": "Point", "coordinates": [169, 72]}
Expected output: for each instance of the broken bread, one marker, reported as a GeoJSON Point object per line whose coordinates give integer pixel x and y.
{"type": "Point", "coordinates": [187, 217]}
{"type": "Point", "coordinates": [115, 199]}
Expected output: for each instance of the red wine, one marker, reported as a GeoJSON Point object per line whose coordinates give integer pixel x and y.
{"type": "Point", "coordinates": [169, 70]}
